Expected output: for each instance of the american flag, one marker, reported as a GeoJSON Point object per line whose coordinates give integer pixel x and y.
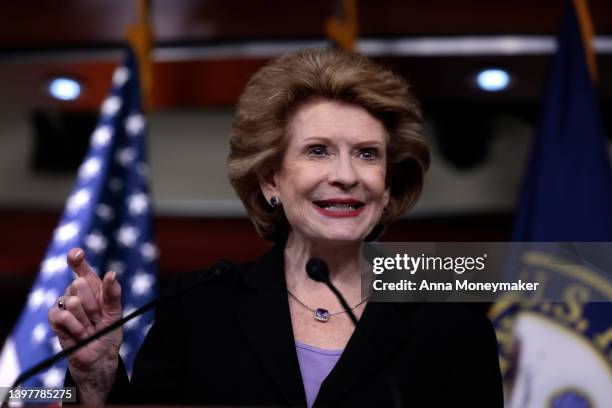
{"type": "Point", "coordinates": [108, 213]}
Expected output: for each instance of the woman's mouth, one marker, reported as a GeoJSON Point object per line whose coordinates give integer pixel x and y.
{"type": "Point", "coordinates": [340, 207]}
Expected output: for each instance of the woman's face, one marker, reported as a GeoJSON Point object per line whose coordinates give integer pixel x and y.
{"type": "Point", "coordinates": [332, 180]}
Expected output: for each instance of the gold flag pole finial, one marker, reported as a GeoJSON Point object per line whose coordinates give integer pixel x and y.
{"type": "Point", "coordinates": [588, 35]}
{"type": "Point", "coordinates": [343, 27]}
{"type": "Point", "coordinates": [140, 38]}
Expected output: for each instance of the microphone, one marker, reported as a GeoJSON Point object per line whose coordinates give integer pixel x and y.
{"type": "Point", "coordinates": [214, 273]}
{"type": "Point", "coordinates": [318, 271]}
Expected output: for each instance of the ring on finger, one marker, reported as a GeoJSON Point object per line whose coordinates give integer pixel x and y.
{"type": "Point", "coordinates": [61, 303]}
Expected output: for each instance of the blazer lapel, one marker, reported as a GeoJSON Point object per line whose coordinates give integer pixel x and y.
{"type": "Point", "coordinates": [387, 327]}
{"type": "Point", "coordinates": [266, 322]}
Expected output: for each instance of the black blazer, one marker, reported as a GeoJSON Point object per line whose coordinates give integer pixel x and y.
{"type": "Point", "coordinates": [231, 343]}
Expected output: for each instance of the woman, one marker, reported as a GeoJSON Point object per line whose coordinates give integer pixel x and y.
{"type": "Point", "coordinates": [326, 151]}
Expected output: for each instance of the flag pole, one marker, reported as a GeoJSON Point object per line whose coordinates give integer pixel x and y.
{"type": "Point", "coordinates": [140, 39]}
{"type": "Point", "coordinates": [588, 35]}
{"type": "Point", "coordinates": [343, 27]}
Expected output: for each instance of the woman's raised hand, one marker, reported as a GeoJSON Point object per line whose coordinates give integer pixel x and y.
{"type": "Point", "coordinates": [88, 305]}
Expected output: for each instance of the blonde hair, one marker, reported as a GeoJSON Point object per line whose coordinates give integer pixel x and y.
{"type": "Point", "coordinates": [259, 133]}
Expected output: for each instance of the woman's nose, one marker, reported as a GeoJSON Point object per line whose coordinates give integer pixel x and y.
{"type": "Point", "coordinates": [343, 173]}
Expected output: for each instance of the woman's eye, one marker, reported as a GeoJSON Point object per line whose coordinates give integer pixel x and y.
{"type": "Point", "coordinates": [317, 150]}
{"type": "Point", "coordinates": [368, 154]}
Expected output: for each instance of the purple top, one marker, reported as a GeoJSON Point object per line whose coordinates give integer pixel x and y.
{"type": "Point", "coordinates": [315, 366]}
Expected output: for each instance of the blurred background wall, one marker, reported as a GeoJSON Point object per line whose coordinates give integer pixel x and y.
{"type": "Point", "coordinates": [205, 52]}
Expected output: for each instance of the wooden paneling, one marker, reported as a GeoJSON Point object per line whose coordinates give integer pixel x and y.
{"type": "Point", "coordinates": [218, 83]}
{"type": "Point", "coordinates": [45, 25]}
{"type": "Point", "coordinates": [51, 23]}
{"type": "Point", "coordinates": [189, 243]}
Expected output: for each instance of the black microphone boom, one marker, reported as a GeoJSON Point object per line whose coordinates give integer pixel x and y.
{"type": "Point", "coordinates": [318, 270]}
{"type": "Point", "coordinates": [209, 275]}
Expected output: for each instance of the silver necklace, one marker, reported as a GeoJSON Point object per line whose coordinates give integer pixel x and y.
{"type": "Point", "coordinates": [320, 314]}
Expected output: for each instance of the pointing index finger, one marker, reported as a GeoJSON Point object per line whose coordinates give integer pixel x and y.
{"type": "Point", "coordinates": [76, 260]}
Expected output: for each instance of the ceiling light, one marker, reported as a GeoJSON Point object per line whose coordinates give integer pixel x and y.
{"type": "Point", "coordinates": [493, 80]}
{"type": "Point", "coordinates": [65, 89]}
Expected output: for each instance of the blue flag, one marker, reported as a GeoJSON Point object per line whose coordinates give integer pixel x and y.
{"type": "Point", "coordinates": [108, 213]}
{"type": "Point", "coordinates": [559, 354]}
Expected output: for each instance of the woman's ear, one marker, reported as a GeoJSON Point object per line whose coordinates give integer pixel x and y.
{"type": "Point", "coordinates": [387, 197]}
{"type": "Point", "coordinates": [269, 186]}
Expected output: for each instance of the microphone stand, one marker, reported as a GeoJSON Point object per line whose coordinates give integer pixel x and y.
{"type": "Point", "coordinates": [318, 270]}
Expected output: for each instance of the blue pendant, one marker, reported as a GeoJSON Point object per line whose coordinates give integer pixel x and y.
{"type": "Point", "coordinates": [321, 315]}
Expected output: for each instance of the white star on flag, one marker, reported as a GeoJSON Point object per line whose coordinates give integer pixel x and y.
{"type": "Point", "coordinates": [134, 124]}
{"type": "Point", "coordinates": [50, 266]}
{"type": "Point", "coordinates": [141, 283]}
{"type": "Point", "coordinates": [36, 298]}
{"type": "Point", "coordinates": [78, 200]}
{"type": "Point", "coordinates": [66, 232]}
{"type": "Point", "coordinates": [90, 168]}
{"type": "Point", "coordinates": [126, 156]}
{"type": "Point", "coordinates": [101, 136]}
{"type": "Point", "coordinates": [111, 105]}
{"type": "Point", "coordinates": [149, 251]}
{"type": "Point", "coordinates": [55, 344]}
{"type": "Point", "coordinates": [51, 297]}
{"type": "Point", "coordinates": [138, 203]}
{"type": "Point", "coordinates": [53, 378]}
{"type": "Point", "coordinates": [127, 235]}
{"type": "Point", "coordinates": [39, 332]}
{"type": "Point", "coordinates": [96, 242]}
{"type": "Point", "coordinates": [127, 311]}
{"type": "Point", "coordinates": [120, 76]}
{"type": "Point", "coordinates": [105, 212]}
{"type": "Point", "coordinates": [124, 350]}
{"type": "Point", "coordinates": [116, 266]}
